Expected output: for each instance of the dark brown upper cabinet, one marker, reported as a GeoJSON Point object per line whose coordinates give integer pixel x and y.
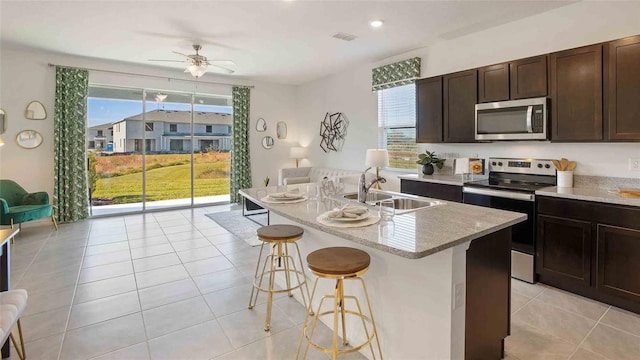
{"type": "Point", "coordinates": [493, 83]}
{"type": "Point", "coordinates": [460, 97]}
{"type": "Point", "coordinates": [429, 110]}
{"type": "Point", "coordinates": [528, 77]}
{"type": "Point", "coordinates": [622, 83]}
{"type": "Point", "coordinates": [576, 94]}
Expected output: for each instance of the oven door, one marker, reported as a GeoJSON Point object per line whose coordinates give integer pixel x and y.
{"type": "Point", "coordinates": [523, 234]}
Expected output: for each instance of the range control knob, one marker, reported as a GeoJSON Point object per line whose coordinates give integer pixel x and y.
{"type": "Point", "coordinates": [493, 163]}
{"type": "Point", "coordinates": [540, 166]}
{"type": "Point", "coordinates": [547, 166]}
{"type": "Point", "coordinates": [500, 163]}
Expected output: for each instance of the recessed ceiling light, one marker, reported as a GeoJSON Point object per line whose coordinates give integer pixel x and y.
{"type": "Point", "coordinates": [376, 23]}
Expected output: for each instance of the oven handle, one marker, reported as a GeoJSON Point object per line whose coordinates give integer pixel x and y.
{"type": "Point", "coordinates": [529, 119]}
{"type": "Point", "coordinates": [499, 193]}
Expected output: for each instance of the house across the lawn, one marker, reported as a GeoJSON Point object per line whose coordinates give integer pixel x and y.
{"type": "Point", "coordinates": [164, 130]}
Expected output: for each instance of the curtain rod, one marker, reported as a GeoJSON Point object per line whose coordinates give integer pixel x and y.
{"type": "Point", "coordinates": [151, 76]}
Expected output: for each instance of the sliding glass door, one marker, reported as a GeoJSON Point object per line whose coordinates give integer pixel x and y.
{"type": "Point", "coordinates": [151, 149]}
{"type": "Point", "coordinates": [212, 146]}
{"type": "Point", "coordinates": [114, 165]}
{"type": "Point", "coordinates": [168, 149]}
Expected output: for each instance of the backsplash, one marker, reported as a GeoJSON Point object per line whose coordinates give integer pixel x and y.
{"type": "Point", "coordinates": [594, 159]}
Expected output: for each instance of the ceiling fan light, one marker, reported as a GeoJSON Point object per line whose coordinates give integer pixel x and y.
{"type": "Point", "coordinates": [196, 70]}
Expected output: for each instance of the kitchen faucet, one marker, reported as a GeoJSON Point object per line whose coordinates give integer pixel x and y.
{"type": "Point", "coordinates": [363, 187]}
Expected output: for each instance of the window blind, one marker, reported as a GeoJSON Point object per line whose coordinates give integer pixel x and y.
{"type": "Point", "coordinates": [397, 106]}
{"type": "Point", "coordinates": [396, 122]}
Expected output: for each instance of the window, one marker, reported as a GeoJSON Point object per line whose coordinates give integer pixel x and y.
{"type": "Point", "coordinates": [173, 127]}
{"type": "Point", "coordinates": [148, 126]}
{"type": "Point", "coordinates": [92, 144]}
{"type": "Point", "coordinates": [397, 125]}
{"type": "Point", "coordinates": [209, 129]}
{"type": "Point", "coordinates": [100, 133]}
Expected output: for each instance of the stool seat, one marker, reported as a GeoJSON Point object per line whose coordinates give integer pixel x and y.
{"type": "Point", "coordinates": [284, 233]}
{"type": "Point", "coordinates": [338, 261]}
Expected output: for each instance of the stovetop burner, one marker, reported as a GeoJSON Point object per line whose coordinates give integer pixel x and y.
{"type": "Point", "coordinates": [523, 175]}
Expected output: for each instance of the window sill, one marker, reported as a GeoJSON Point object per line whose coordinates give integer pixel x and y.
{"type": "Point", "coordinates": [400, 171]}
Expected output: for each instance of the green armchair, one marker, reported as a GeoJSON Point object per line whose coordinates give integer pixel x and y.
{"type": "Point", "coordinates": [17, 206]}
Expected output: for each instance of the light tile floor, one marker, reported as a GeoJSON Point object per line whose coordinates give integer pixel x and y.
{"type": "Point", "coordinates": [175, 285]}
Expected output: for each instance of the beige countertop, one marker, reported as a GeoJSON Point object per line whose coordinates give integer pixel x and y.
{"type": "Point", "coordinates": [441, 178]}
{"type": "Point", "coordinates": [417, 234]}
{"type": "Point", "coordinates": [596, 194]}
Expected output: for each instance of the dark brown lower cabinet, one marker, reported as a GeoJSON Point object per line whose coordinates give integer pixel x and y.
{"type": "Point", "coordinates": [619, 262]}
{"type": "Point", "coordinates": [564, 249]}
{"type": "Point", "coordinates": [591, 249]}
{"type": "Point", "coordinates": [432, 190]}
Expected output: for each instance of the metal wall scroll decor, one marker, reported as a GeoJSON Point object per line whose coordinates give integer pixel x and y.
{"type": "Point", "coordinates": [333, 130]}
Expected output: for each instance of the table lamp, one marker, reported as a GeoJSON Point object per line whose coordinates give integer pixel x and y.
{"type": "Point", "coordinates": [298, 153]}
{"type": "Point", "coordinates": [377, 158]}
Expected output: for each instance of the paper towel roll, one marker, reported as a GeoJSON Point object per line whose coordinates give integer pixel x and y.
{"type": "Point", "coordinates": [462, 166]}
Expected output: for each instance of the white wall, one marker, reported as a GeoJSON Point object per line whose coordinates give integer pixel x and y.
{"type": "Point", "coordinates": [25, 76]}
{"type": "Point", "coordinates": [570, 26]}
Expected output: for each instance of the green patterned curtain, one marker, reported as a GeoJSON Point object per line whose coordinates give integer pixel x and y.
{"type": "Point", "coordinates": [396, 74]}
{"type": "Point", "coordinates": [240, 159]}
{"type": "Point", "coordinates": [70, 192]}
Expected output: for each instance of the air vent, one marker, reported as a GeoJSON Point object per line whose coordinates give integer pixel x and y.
{"type": "Point", "coordinates": [345, 37]}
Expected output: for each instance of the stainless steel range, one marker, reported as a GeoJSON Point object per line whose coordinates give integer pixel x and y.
{"type": "Point", "coordinates": [511, 186]}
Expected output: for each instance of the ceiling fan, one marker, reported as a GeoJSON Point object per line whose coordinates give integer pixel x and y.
{"type": "Point", "coordinates": [197, 64]}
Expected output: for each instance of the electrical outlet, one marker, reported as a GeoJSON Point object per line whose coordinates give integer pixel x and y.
{"type": "Point", "coordinates": [634, 164]}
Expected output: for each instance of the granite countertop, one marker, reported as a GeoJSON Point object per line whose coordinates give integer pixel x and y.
{"type": "Point", "coordinates": [596, 194]}
{"type": "Point", "coordinates": [442, 178]}
{"type": "Point", "coordinates": [417, 234]}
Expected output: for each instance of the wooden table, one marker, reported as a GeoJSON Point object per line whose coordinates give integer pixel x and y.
{"type": "Point", "coordinates": [5, 267]}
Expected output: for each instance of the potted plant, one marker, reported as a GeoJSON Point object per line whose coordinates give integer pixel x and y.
{"type": "Point", "coordinates": [427, 160]}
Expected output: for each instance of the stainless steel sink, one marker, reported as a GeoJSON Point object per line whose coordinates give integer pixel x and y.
{"type": "Point", "coordinates": [371, 197]}
{"type": "Point", "coordinates": [403, 205]}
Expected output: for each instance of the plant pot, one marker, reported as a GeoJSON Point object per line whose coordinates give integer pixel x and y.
{"type": "Point", "coordinates": [427, 169]}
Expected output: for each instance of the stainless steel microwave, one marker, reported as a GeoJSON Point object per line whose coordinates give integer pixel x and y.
{"type": "Point", "coordinates": [524, 119]}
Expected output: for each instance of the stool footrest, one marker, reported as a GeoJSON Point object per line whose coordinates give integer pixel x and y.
{"type": "Point", "coordinates": [268, 272]}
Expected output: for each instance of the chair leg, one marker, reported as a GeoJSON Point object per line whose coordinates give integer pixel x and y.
{"type": "Point", "coordinates": [55, 224]}
{"type": "Point", "coordinates": [21, 354]}
{"type": "Point", "coordinates": [13, 239]}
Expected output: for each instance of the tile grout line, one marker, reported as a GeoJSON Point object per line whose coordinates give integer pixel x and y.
{"type": "Point", "coordinates": [589, 333]}
{"type": "Point", "coordinates": [135, 279]}
{"type": "Point", "coordinates": [75, 289]}
{"type": "Point", "coordinates": [34, 257]}
{"type": "Point", "coordinates": [215, 317]}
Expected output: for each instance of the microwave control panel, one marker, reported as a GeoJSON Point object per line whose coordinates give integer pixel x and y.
{"type": "Point", "coordinates": [538, 118]}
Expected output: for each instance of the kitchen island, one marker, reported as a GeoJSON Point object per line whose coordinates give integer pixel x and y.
{"type": "Point", "coordinates": [439, 283]}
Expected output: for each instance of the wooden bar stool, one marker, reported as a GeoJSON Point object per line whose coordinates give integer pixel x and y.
{"type": "Point", "coordinates": [279, 260]}
{"type": "Point", "coordinates": [339, 263]}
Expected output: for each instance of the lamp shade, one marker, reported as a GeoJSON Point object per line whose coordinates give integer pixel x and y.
{"type": "Point", "coordinates": [298, 152]}
{"type": "Point", "coordinates": [1, 142]}
{"type": "Point", "coordinates": [377, 158]}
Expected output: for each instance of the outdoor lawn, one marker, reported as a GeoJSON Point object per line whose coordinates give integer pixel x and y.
{"type": "Point", "coordinates": [119, 177]}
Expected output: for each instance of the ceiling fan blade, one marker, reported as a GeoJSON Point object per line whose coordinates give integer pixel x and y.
{"type": "Point", "coordinates": [187, 56]}
{"type": "Point", "coordinates": [222, 69]}
{"type": "Point", "coordinates": [222, 62]}
{"type": "Point", "coordinates": [178, 61]}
